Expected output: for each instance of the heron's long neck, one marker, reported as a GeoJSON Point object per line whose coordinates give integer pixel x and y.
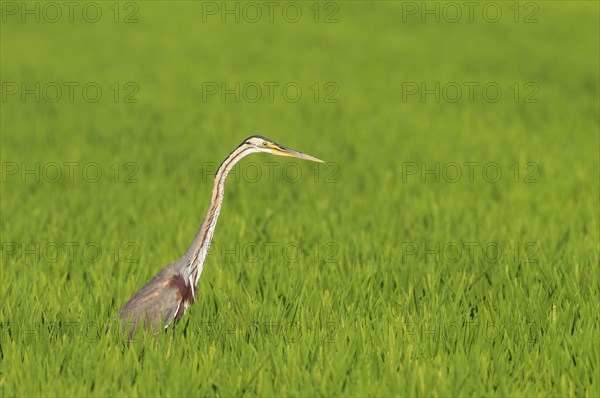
{"type": "Point", "coordinates": [198, 250]}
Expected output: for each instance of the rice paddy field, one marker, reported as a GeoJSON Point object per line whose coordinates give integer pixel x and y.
{"type": "Point", "coordinates": [447, 247]}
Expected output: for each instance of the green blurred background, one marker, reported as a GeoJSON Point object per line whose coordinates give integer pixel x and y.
{"type": "Point", "coordinates": [163, 91]}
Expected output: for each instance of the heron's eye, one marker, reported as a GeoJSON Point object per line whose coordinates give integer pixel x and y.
{"type": "Point", "coordinates": [264, 143]}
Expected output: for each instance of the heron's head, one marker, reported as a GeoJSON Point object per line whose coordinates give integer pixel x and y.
{"type": "Point", "coordinates": [263, 144]}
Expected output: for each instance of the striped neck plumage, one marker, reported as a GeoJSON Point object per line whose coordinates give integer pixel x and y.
{"type": "Point", "coordinates": [198, 250]}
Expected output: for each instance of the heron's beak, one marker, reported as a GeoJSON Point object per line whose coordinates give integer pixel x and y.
{"type": "Point", "coordinates": [283, 151]}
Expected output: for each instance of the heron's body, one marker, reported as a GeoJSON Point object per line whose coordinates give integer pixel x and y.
{"type": "Point", "coordinates": [167, 295]}
{"type": "Point", "coordinates": [163, 299]}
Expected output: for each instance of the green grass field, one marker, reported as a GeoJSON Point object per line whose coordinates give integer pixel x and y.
{"type": "Point", "coordinates": [448, 247]}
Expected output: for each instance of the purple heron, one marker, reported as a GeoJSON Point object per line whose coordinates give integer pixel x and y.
{"type": "Point", "coordinates": [164, 299]}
